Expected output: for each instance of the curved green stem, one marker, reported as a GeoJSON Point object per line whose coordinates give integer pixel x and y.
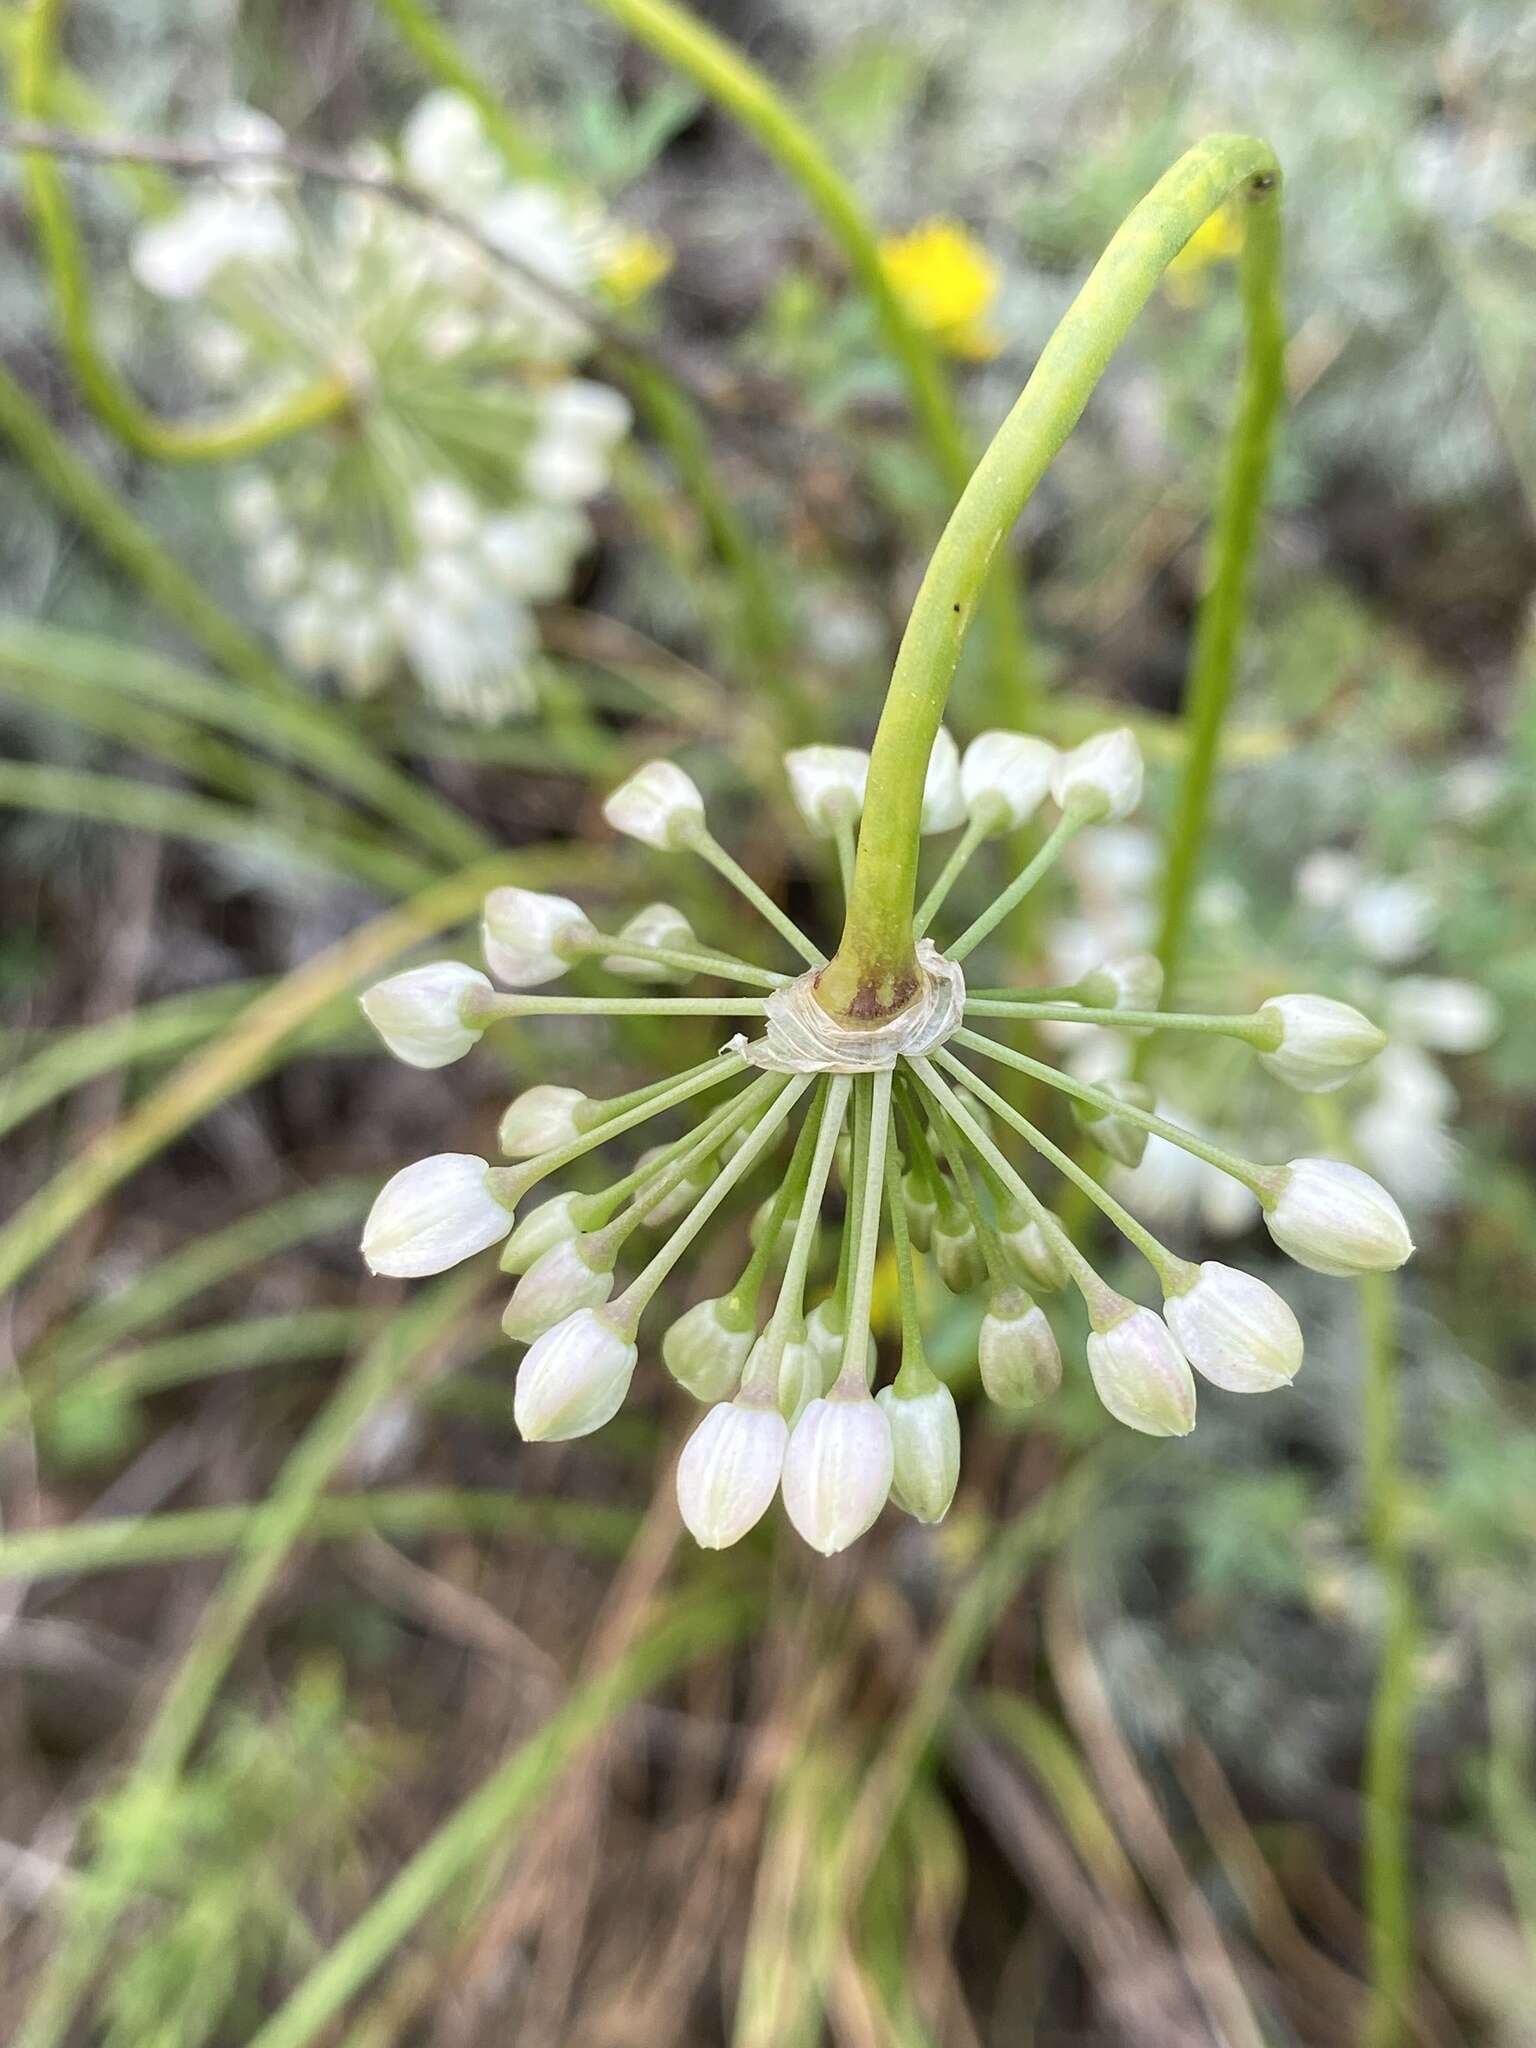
{"type": "Point", "coordinates": [107, 393]}
{"type": "Point", "coordinates": [1213, 667]}
{"type": "Point", "coordinates": [743, 90]}
{"type": "Point", "coordinates": [436, 50]}
{"type": "Point", "coordinates": [875, 971]}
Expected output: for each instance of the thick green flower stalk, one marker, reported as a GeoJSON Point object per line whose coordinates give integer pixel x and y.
{"type": "Point", "coordinates": [856, 1085]}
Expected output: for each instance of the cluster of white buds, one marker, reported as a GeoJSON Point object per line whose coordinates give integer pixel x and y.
{"type": "Point", "coordinates": [898, 1139]}
{"type": "Point", "coordinates": [424, 521]}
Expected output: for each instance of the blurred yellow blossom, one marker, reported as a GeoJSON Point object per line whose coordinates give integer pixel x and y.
{"type": "Point", "coordinates": [637, 260]}
{"type": "Point", "coordinates": [948, 283]}
{"type": "Point", "coordinates": [1218, 239]}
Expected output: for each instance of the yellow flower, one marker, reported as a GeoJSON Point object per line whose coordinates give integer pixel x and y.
{"type": "Point", "coordinates": [636, 261]}
{"type": "Point", "coordinates": [1218, 239]}
{"type": "Point", "coordinates": [948, 284]}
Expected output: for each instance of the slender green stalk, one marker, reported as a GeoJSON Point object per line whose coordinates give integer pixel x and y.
{"type": "Point", "coordinates": [744, 91]}
{"type": "Point", "coordinates": [978, 828]}
{"type": "Point", "coordinates": [705, 843]}
{"type": "Point", "coordinates": [874, 972]}
{"type": "Point", "coordinates": [788, 1313]}
{"type": "Point", "coordinates": [120, 1543]}
{"type": "Point", "coordinates": [497, 1009]}
{"type": "Point", "coordinates": [867, 1244]}
{"type": "Point", "coordinates": [486, 1821]}
{"type": "Point", "coordinates": [113, 529]}
{"type": "Point", "coordinates": [1258, 1178]}
{"type": "Point", "coordinates": [1213, 668]}
{"type": "Point", "coordinates": [1026, 879]}
{"type": "Point", "coordinates": [1250, 1029]}
{"type": "Point", "coordinates": [108, 394]}
{"type": "Point", "coordinates": [721, 965]}
{"type": "Point", "coordinates": [266, 1541]}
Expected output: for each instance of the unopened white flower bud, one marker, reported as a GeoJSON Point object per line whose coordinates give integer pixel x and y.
{"type": "Point", "coordinates": [1035, 1254]}
{"type": "Point", "coordinates": [551, 1223]}
{"type": "Point", "coordinates": [433, 1215]}
{"type": "Point", "coordinates": [1442, 1014]}
{"type": "Point", "coordinates": [1123, 1140]}
{"type": "Point", "coordinates": [1102, 778]}
{"type": "Point", "coordinates": [1140, 1374]}
{"type": "Point", "coordinates": [1132, 983]}
{"type": "Point", "coordinates": [1004, 778]}
{"type": "Point", "coordinates": [804, 1373]}
{"type": "Point", "coordinates": [762, 1216]}
{"type": "Point", "coordinates": [443, 514]}
{"type": "Point", "coordinates": [1321, 1043]}
{"type": "Point", "coordinates": [659, 804]}
{"type": "Point", "coordinates": [925, 1447]}
{"type": "Point", "coordinates": [1235, 1330]}
{"type": "Point", "coordinates": [729, 1471]}
{"type": "Point", "coordinates": [540, 1119]}
{"type": "Point", "coordinates": [658, 924]}
{"type": "Point", "coordinates": [943, 798]}
{"type": "Point", "coordinates": [922, 1210]}
{"type": "Point", "coordinates": [705, 1350]}
{"type": "Point", "coordinates": [576, 1273]}
{"type": "Point", "coordinates": [958, 1256]}
{"type": "Point", "coordinates": [1334, 1218]}
{"type": "Point", "coordinates": [420, 1014]}
{"type": "Point", "coordinates": [1017, 1351]}
{"type": "Point", "coordinates": [827, 784]}
{"type": "Point", "coordinates": [592, 413]}
{"type": "Point", "coordinates": [826, 1333]}
{"type": "Point", "coordinates": [524, 932]}
{"type": "Point", "coordinates": [838, 1467]}
{"type": "Point", "coordinates": [573, 1379]}
{"type": "Point", "coordinates": [657, 1210]}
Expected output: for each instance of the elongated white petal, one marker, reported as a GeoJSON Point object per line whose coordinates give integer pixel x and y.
{"type": "Point", "coordinates": [1334, 1218]}
{"type": "Point", "coordinates": [705, 1352]}
{"type": "Point", "coordinates": [1005, 776]}
{"type": "Point", "coordinates": [943, 798]}
{"type": "Point", "coordinates": [419, 1014]}
{"type": "Point", "coordinates": [573, 1379]}
{"type": "Point", "coordinates": [729, 1471]}
{"type": "Point", "coordinates": [1102, 778]}
{"type": "Point", "coordinates": [1017, 1350]}
{"type": "Point", "coordinates": [540, 1119]}
{"type": "Point", "coordinates": [1141, 1375]}
{"type": "Point", "coordinates": [837, 1470]}
{"type": "Point", "coordinates": [1322, 1043]}
{"type": "Point", "coordinates": [659, 805]}
{"type": "Point", "coordinates": [827, 784]}
{"type": "Point", "coordinates": [569, 1276]}
{"type": "Point", "coordinates": [433, 1215]}
{"type": "Point", "coordinates": [1235, 1331]}
{"type": "Point", "coordinates": [925, 1449]}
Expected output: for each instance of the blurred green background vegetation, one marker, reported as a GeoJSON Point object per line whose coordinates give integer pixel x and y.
{"type": "Point", "coordinates": [329, 1711]}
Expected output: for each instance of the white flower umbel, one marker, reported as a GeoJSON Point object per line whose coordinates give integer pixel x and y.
{"type": "Point", "coordinates": [944, 805]}
{"type": "Point", "coordinates": [1234, 1330]}
{"type": "Point", "coordinates": [576, 1273]}
{"type": "Point", "coordinates": [420, 1014]}
{"type": "Point", "coordinates": [1316, 1044]}
{"type": "Point", "coordinates": [434, 1215]}
{"type": "Point", "coordinates": [573, 1379]}
{"type": "Point", "coordinates": [530, 938]}
{"type": "Point", "coordinates": [1017, 1351]}
{"type": "Point", "coordinates": [541, 1118]}
{"type": "Point", "coordinates": [1005, 777]}
{"type": "Point", "coordinates": [827, 784]}
{"type": "Point", "coordinates": [1139, 1372]}
{"type": "Point", "coordinates": [925, 1445]}
{"type": "Point", "coordinates": [659, 805]}
{"type": "Point", "coordinates": [729, 1470]}
{"type": "Point", "coordinates": [1101, 780]}
{"type": "Point", "coordinates": [706, 1349]}
{"type": "Point", "coordinates": [1334, 1218]}
{"type": "Point", "coordinates": [838, 1468]}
